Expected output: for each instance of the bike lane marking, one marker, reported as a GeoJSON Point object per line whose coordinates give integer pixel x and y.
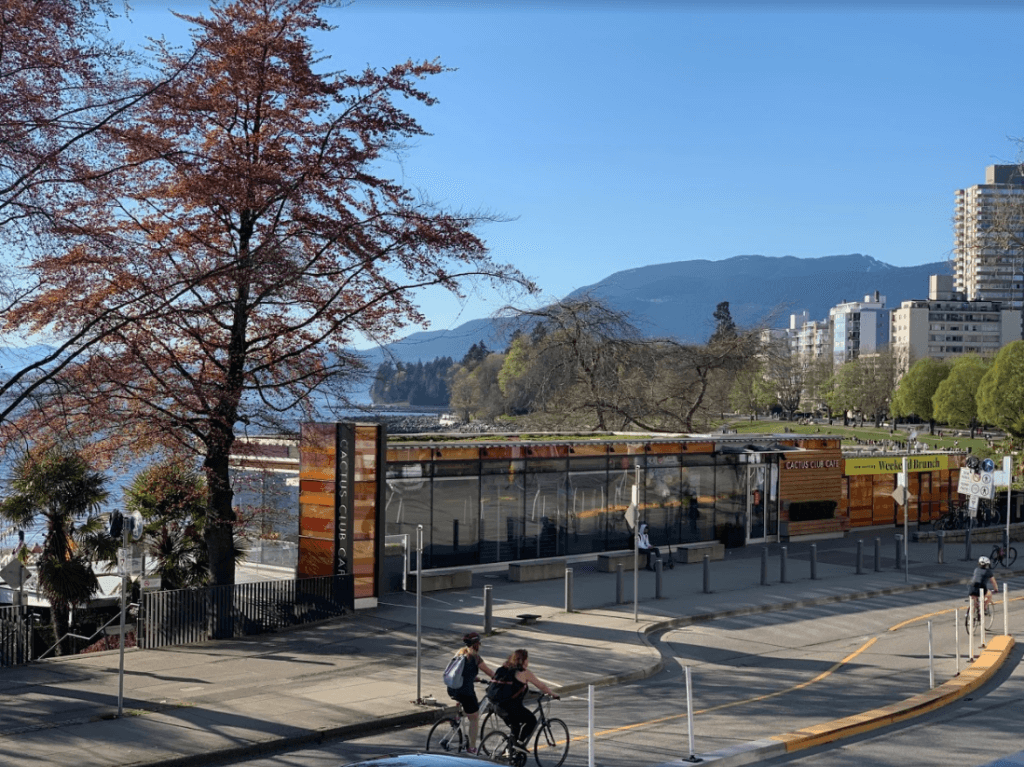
{"type": "Point", "coordinates": [661, 720]}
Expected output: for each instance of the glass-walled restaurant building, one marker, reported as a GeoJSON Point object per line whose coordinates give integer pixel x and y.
{"type": "Point", "coordinates": [485, 503]}
{"type": "Point", "coordinates": [509, 499]}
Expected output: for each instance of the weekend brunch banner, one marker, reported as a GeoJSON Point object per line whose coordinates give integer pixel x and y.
{"type": "Point", "coordinates": [895, 465]}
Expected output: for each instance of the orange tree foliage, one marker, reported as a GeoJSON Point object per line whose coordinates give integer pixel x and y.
{"type": "Point", "coordinates": [63, 85]}
{"type": "Point", "coordinates": [257, 183]}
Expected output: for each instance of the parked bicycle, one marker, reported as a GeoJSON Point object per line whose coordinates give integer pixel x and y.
{"type": "Point", "coordinates": [550, 743]}
{"type": "Point", "coordinates": [957, 518]}
{"type": "Point", "coordinates": [449, 734]}
{"type": "Point", "coordinates": [1005, 557]}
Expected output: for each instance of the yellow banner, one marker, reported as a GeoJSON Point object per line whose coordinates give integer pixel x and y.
{"type": "Point", "coordinates": [895, 465]}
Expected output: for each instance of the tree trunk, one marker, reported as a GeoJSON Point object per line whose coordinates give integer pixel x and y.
{"type": "Point", "coordinates": [61, 624]}
{"type": "Point", "coordinates": [220, 520]}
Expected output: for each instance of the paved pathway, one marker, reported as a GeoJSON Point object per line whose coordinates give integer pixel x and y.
{"type": "Point", "coordinates": [195, 704]}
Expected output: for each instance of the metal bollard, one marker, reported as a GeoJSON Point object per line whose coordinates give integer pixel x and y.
{"type": "Point", "coordinates": [707, 574]}
{"type": "Point", "coordinates": [814, 561]}
{"type": "Point", "coordinates": [764, 566]}
{"type": "Point", "coordinates": [860, 557]}
{"type": "Point", "coordinates": [568, 589]}
{"type": "Point", "coordinates": [899, 550]}
{"type": "Point", "coordinates": [657, 578]}
{"type": "Point", "coordinates": [941, 538]}
{"type": "Point", "coordinates": [878, 555]}
{"type": "Point", "coordinates": [488, 609]}
{"type": "Point", "coordinates": [967, 545]}
{"type": "Point", "coordinates": [782, 565]}
{"type": "Point", "coordinates": [618, 584]}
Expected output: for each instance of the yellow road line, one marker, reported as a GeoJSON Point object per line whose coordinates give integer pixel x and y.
{"type": "Point", "coordinates": [777, 693]}
{"type": "Point", "coordinates": [721, 706]}
{"type": "Point", "coordinates": [942, 612]}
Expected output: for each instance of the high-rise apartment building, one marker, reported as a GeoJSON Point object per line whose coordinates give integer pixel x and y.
{"type": "Point", "coordinates": [947, 325]}
{"type": "Point", "coordinates": [987, 265]}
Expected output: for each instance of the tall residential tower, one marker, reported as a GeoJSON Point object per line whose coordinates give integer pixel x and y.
{"type": "Point", "coordinates": [988, 238]}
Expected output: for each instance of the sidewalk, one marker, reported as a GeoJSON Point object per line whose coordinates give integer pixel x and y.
{"type": "Point", "coordinates": [188, 705]}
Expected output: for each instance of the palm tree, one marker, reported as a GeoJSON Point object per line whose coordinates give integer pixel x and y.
{"type": "Point", "coordinates": [171, 497]}
{"type": "Point", "coordinates": [57, 484]}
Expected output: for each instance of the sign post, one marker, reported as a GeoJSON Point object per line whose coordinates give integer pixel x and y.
{"type": "Point", "coordinates": [1008, 471]}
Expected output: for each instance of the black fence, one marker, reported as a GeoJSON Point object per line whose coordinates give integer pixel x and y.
{"type": "Point", "coordinates": [14, 636]}
{"type": "Point", "coordinates": [169, 618]}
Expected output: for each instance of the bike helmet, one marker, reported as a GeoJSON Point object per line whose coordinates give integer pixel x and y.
{"type": "Point", "coordinates": [471, 639]}
{"type": "Point", "coordinates": [984, 562]}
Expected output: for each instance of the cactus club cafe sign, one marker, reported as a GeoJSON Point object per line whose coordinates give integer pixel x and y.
{"type": "Point", "coordinates": [895, 465]}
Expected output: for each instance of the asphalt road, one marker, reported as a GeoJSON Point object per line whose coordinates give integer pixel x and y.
{"type": "Point", "coordinates": [766, 674]}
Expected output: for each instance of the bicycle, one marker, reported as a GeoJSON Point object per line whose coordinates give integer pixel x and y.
{"type": "Point", "coordinates": [551, 739]}
{"type": "Point", "coordinates": [1004, 557]}
{"type": "Point", "coordinates": [447, 734]}
{"type": "Point", "coordinates": [957, 518]}
{"type": "Point", "coordinates": [988, 615]}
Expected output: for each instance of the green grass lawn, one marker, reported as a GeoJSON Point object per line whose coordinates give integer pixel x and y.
{"type": "Point", "coordinates": [978, 447]}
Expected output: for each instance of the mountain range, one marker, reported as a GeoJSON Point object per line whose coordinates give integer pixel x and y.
{"type": "Point", "coordinates": [678, 299]}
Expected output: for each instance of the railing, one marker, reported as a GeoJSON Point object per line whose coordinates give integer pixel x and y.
{"type": "Point", "coordinates": [14, 641]}
{"type": "Point", "coordinates": [88, 640]}
{"type": "Point", "coordinates": [186, 616]}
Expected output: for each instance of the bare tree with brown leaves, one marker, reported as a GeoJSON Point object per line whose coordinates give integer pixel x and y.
{"type": "Point", "coordinates": [258, 185]}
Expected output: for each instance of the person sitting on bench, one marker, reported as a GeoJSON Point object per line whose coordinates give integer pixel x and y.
{"type": "Point", "coordinates": [644, 543]}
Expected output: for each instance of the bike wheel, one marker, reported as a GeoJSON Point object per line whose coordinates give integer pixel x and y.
{"type": "Point", "coordinates": [971, 626]}
{"type": "Point", "coordinates": [491, 723]}
{"type": "Point", "coordinates": [989, 617]}
{"type": "Point", "coordinates": [551, 745]}
{"type": "Point", "coordinates": [494, 747]}
{"type": "Point", "coordinates": [1010, 558]}
{"type": "Point", "coordinates": [445, 735]}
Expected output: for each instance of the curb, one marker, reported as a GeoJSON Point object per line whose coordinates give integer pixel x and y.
{"type": "Point", "coordinates": [275, 745]}
{"type": "Point", "coordinates": [969, 680]}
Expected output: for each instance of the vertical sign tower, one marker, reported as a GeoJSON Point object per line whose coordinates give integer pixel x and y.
{"type": "Point", "coordinates": [341, 493]}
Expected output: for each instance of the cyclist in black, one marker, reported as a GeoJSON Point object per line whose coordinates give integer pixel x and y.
{"type": "Point", "coordinates": [515, 672]}
{"type": "Point", "coordinates": [465, 694]}
{"type": "Point", "coordinates": [983, 578]}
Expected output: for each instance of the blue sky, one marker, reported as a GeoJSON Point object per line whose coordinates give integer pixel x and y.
{"type": "Point", "coordinates": [621, 134]}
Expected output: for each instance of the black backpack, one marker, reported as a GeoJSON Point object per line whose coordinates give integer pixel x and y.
{"type": "Point", "coordinates": [504, 686]}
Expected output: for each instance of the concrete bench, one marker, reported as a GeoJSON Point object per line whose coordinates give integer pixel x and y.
{"type": "Point", "coordinates": [694, 552]}
{"type": "Point", "coordinates": [608, 562]}
{"type": "Point", "coordinates": [442, 580]}
{"type": "Point", "coordinates": [539, 570]}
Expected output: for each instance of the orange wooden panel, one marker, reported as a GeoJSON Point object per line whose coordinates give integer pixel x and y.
{"type": "Point", "coordinates": [503, 452]}
{"type": "Point", "coordinates": [325, 500]}
{"type": "Point", "coordinates": [363, 587]}
{"type": "Point", "coordinates": [456, 453]}
{"type": "Point", "coordinates": [589, 448]}
{"type": "Point", "coordinates": [316, 558]}
{"type": "Point", "coordinates": [404, 454]}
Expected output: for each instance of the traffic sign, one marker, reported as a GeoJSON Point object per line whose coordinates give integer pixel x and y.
{"type": "Point", "coordinates": [152, 583]}
{"type": "Point", "coordinates": [14, 574]}
{"type": "Point", "coordinates": [901, 495]}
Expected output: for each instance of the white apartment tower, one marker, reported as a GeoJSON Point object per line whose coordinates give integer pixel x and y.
{"type": "Point", "coordinates": [858, 328]}
{"type": "Point", "coordinates": [986, 267]}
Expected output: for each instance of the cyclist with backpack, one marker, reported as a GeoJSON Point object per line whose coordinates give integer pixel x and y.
{"type": "Point", "coordinates": [508, 689]}
{"type": "Point", "coordinates": [471, 664]}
